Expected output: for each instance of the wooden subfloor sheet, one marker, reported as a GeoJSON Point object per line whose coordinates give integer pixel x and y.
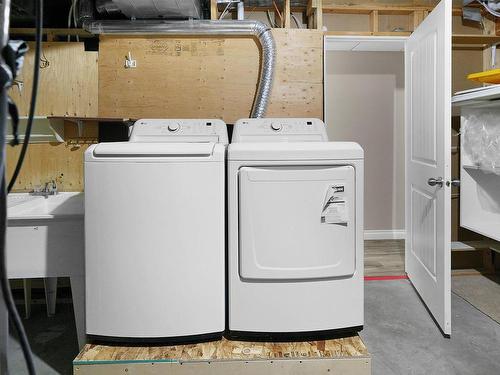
{"type": "Point", "coordinates": [337, 356]}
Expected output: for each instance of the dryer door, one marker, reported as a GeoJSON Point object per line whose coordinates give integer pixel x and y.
{"type": "Point", "coordinates": [296, 222]}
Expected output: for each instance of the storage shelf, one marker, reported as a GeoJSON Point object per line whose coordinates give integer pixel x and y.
{"type": "Point", "coordinates": [486, 170]}
{"type": "Point", "coordinates": [475, 40]}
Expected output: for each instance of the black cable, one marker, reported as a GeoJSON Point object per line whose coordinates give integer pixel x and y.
{"type": "Point", "coordinates": [4, 282]}
{"type": "Point", "coordinates": [34, 92]}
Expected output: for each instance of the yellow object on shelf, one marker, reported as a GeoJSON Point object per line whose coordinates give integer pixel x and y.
{"type": "Point", "coordinates": [488, 76]}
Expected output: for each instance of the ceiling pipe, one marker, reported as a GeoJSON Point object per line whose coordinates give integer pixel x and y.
{"type": "Point", "coordinates": [204, 28]}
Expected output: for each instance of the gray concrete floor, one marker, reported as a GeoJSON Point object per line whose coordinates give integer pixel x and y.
{"type": "Point", "coordinates": [399, 333]}
{"type": "Point", "coordinates": [403, 338]}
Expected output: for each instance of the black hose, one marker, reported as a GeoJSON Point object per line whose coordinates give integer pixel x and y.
{"type": "Point", "coordinates": [4, 282]}
{"type": "Point", "coordinates": [34, 92]}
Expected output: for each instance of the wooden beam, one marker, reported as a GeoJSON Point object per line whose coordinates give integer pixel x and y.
{"type": "Point", "coordinates": [51, 32]}
{"type": "Point", "coordinates": [367, 9]}
{"type": "Point", "coordinates": [368, 33]}
{"type": "Point", "coordinates": [382, 9]}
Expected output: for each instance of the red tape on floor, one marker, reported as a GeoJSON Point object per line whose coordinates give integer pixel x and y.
{"type": "Point", "coordinates": [378, 278]}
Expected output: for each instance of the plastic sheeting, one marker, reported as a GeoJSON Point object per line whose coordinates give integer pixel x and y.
{"type": "Point", "coordinates": [481, 138]}
{"type": "Point", "coordinates": [149, 9]}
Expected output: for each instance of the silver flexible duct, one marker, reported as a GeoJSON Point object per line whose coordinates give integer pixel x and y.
{"type": "Point", "coordinates": [209, 28]}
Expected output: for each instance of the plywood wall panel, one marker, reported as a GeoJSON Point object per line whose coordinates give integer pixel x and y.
{"type": "Point", "coordinates": [208, 77]}
{"type": "Point", "coordinates": [48, 161]}
{"type": "Point", "coordinates": [68, 81]}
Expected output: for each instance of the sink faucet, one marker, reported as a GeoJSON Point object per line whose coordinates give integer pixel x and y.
{"type": "Point", "coordinates": [50, 188]}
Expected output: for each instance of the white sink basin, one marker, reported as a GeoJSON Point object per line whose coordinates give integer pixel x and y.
{"type": "Point", "coordinates": [23, 206]}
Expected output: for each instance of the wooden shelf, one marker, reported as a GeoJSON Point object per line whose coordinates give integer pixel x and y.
{"type": "Point", "coordinates": [475, 40]}
{"type": "Point", "coordinates": [368, 33]}
{"type": "Point", "coordinates": [457, 39]}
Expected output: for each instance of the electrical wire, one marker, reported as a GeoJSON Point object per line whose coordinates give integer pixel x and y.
{"type": "Point", "coordinates": [271, 22]}
{"type": "Point", "coordinates": [4, 281]}
{"type": "Point", "coordinates": [34, 92]}
{"type": "Point", "coordinates": [224, 12]}
{"type": "Point", "coordinates": [75, 2]}
{"type": "Point", "coordinates": [488, 9]}
{"type": "Point", "coordinates": [299, 26]}
{"type": "Point", "coordinates": [69, 18]}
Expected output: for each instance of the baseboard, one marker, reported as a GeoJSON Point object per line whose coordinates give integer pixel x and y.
{"type": "Point", "coordinates": [396, 234]}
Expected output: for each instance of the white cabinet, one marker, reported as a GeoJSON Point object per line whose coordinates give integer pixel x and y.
{"type": "Point", "coordinates": [480, 161]}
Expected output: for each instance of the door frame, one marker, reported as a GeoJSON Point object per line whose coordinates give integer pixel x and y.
{"type": "Point", "coordinates": [364, 44]}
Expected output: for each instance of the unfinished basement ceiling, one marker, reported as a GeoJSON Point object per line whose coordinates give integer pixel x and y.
{"type": "Point", "coordinates": [303, 3]}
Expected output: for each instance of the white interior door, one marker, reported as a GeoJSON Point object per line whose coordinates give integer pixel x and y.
{"type": "Point", "coordinates": [428, 142]}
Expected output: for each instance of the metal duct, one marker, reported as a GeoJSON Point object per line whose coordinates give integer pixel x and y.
{"type": "Point", "coordinates": [208, 28]}
{"type": "Point", "coordinates": [148, 9]}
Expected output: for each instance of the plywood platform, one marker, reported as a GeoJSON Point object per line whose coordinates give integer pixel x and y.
{"type": "Point", "coordinates": [339, 356]}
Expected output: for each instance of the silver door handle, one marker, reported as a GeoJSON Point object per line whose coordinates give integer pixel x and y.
{"type": "Point", "coordinates": [455, 183]}
{"type": "Point", "coordinates": [435, 181]}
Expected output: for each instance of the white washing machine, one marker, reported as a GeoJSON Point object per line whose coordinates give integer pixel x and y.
{"type": "Point", "coordinates": [295, 245]}
{"type": "Point", "coordinates": [155, 233]}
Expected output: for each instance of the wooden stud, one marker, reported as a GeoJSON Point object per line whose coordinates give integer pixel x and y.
{"type": "Point", "coordinates": [374, 22]}
{"type": "Point", "coordinates": [418, 17]}
{"type": "Point", "coordinates": [286, 14]}
{"type": "Point", "coordinates": [319, 14]}
{"type": "Point", "coordinates": [315, 14]}
{"type": "Point", "coordinates": [214, 12]}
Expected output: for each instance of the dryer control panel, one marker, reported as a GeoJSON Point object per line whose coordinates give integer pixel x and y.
{"type": "Point", "coordinates": [279, 130]}
{"type": "Point", "coordinates": [179, 130]}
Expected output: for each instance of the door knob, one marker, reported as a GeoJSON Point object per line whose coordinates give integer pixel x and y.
{"type": "Point", "coordinates": [455, 183]}
{"type": "Point", "coordinates": [435, 181]}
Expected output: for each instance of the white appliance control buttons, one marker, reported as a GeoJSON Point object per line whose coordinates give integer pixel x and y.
{"type": "Point", "coordinates": [276, 126]}
{"type": "Point", "coordinates": [173, 127]}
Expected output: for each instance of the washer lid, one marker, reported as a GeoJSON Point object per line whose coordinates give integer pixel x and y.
{"type": "Point", "coordinates": [143, 149]}
{"type": "Point", "coordinates": [295, 151]}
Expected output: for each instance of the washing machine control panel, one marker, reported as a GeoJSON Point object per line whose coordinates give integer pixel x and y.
{"type": "Point", "coordinates": [179, 130]}
{"type": "Point", "coordinates": [279, 130]}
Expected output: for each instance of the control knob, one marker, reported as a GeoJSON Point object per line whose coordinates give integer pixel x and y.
{"type": "Point", "coordinates": [173, 127]}
{"type": "Point", "coordinates": [276, 126]}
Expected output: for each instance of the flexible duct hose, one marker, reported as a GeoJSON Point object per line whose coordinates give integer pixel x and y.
{"type": "Point", "coordinates": [207, 28]}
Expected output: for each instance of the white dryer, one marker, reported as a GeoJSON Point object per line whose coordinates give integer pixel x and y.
{"type": "Point", "coordinates": [155, 233]}
{"type": "Point", "coordinates": [295, 241]}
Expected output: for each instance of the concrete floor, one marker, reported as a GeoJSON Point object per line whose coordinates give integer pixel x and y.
{"type": "Point", "coordinates": [399, 333]}
{"type": "Point", "coordinates": [403, 339]}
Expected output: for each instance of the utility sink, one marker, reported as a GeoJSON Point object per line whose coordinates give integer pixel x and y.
{"type": "Point", "coordinates": [25, 206]}
{"type": "Point", "coordinates": [45, 239]}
